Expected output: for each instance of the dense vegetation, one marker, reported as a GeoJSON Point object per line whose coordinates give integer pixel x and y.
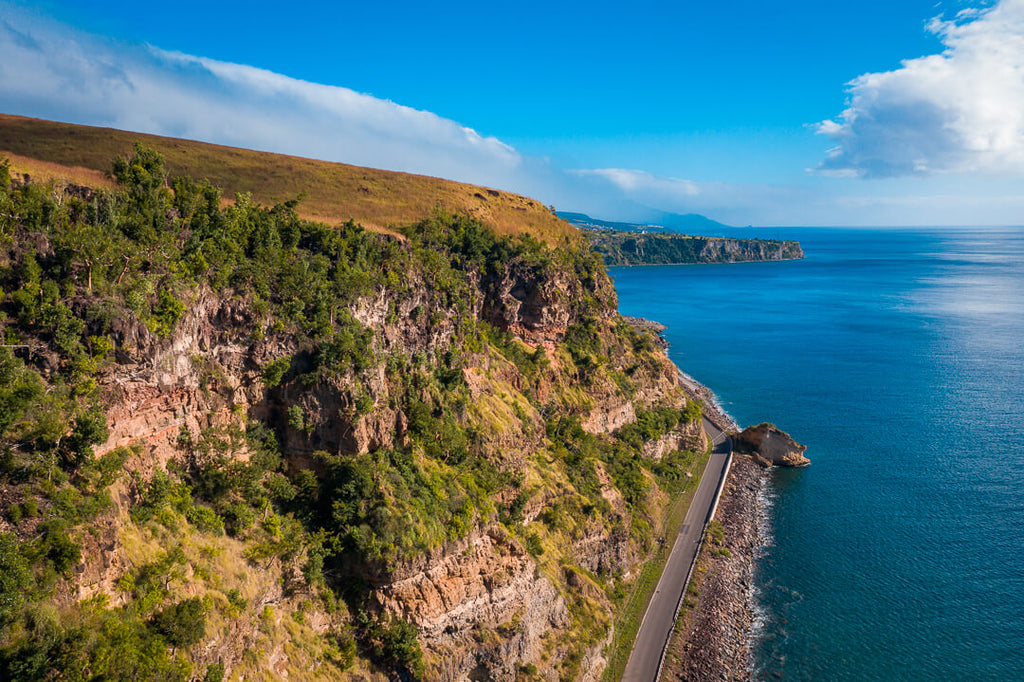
{"type": "Point", "coordinates": [645, 248]}
{"type": "Point", "coordinates": [86, 277]}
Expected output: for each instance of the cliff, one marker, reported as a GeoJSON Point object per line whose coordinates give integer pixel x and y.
{"type": "Point", "coordinates": [238, 443]}
{"type": "Point", "coordinates": [646, 248]}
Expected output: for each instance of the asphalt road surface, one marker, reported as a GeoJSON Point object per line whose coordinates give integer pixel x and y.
{"type": "Point", "coordinates": [645, 660]}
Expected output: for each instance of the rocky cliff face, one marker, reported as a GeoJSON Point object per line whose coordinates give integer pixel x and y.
{"type": "Point", "coordinates": [452, 446]}
{"type": "Point", "coordinates": [771, 446]}
{"type": "Point", "coordinates": [636, 248]}
{"type": "Point", "coordinates": [483, 606]}
{"type": "Point", "coordinates": [484, 588]}
{"type": "Point", "coordinates": [539, 304]}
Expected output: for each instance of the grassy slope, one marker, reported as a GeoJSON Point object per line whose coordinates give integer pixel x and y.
{"type": "Point", "coordinates": [335, 192]}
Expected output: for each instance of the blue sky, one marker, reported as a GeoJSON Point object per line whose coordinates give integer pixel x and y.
{"type": "Point", "coordinates": [748, 112]}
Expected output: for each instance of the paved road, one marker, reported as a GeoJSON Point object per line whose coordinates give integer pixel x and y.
{"type": "Point", "coordinates": [645, 660]}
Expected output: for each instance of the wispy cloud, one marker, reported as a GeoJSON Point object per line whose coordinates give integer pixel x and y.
{"type": "Point", "coordinates": [50, 70]}
{"type": "Point", "coordinates": [641, 182]}
{"type": "Point", "coordinates": [958, 111]}
{"type": "Point", "coordinates": [642, 195]}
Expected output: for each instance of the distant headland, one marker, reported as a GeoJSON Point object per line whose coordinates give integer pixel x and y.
{"type": "Point", "coordinates": [639, 244]}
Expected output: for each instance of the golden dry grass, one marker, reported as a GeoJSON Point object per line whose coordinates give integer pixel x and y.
{"type": "Point", "coordinates": [45, 171]}
{"type": "Point", "coordinates": [334, 192]}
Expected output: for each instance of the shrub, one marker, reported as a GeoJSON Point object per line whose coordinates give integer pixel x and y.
{"type": "Point", "coordinates": [166, 313]}
{"type": "Point", "coordinates": [533, 545]}
{"type": "Point", "coordinates": [275, 371]}
{"type": "Point", "coordinates": [90, 429]}
{"type": "Point", "coordinates": [182, 624]}
{"type": "Point", "coordinates": [393, 641]}
{"type": "Point", "coordinates": [296, 417]}
{"type": "Point", "coordinates": [215, 673]}
{"type": "Point", "coordinates": [57, 546]}
{"type": "Point", "coordinates": [205, 519]}
{"type": "Point", "coordinates": [15, 577]}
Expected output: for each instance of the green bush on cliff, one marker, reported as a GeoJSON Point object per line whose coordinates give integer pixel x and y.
{"type": "Point", "coordinates": [15, 577]}
{"type": "Point", "coordinates": [386, 504]}
{"type": "Point", "coordinates": [89, 641]}
{"type": "Point", "coordinates": [182, 624]}
{"type": "Point", "coordinates": [650, 425]}
{"type": "Point", "coordinates": [393, 642]}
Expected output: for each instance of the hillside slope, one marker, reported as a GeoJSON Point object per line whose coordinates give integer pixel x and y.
{"type": "Point", "coordinates": [333, 192]}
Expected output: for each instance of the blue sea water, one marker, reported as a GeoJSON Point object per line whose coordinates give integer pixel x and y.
{"type": "Point", "coordinates": [897, 356]}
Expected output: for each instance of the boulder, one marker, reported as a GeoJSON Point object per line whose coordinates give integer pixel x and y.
{"type": "Point", "coordinates": [771, 446]}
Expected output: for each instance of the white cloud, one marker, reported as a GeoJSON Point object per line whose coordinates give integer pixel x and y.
{"type": "Point", "coordinates": [638, 181]}
{"type": "Point", "coordinates": [961, 111]}
{"type": "Point", "coordinates": [639, 195]}
{"type": "Point", "coordinates": [52, 71]}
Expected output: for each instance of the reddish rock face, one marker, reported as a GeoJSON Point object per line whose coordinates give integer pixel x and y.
{"type": "Point", "coordinates": [538, 304]}
{"type": "Point", "coordinates": [770, 446]}
{"type": "Point", "coordinates": [483, 605]}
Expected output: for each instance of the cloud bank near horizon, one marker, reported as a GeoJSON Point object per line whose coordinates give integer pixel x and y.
{"type": "Point", "coordinates": [50, 70]}
{"type": "Point", "coordinates": [961, 111]}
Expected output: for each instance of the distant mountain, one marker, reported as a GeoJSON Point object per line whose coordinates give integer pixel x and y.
{"type": "Point", "coordinates": [689, 223]}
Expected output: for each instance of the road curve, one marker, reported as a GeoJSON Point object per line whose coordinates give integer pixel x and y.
{"type": "Point", "coordinates": [644, 662]}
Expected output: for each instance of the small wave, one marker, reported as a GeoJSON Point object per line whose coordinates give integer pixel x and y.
{"type": "Point", "coordinates": [766, 496]}
{"type": "Point", "coordinates": [762, 627]}
{"type": "Point", "coordinates": [708, 396]}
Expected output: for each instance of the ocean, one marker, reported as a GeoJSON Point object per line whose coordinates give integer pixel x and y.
{"type": "Point", "coordinates": [897, 357]}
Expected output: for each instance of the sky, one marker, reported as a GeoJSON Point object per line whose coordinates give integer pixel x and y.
{"type": "Point", "coordinates": [784, 113]}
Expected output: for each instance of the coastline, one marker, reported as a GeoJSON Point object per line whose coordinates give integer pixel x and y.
{"type": "Point", "coordinates": [729, 262]}
{"type": "Point", "coordinates": [713, 638]}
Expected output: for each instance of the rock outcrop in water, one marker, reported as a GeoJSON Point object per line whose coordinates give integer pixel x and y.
{"type": "Point", "coordinates": [771, 446]}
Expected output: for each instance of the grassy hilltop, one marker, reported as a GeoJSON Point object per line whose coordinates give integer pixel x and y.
{"type": "Point", "coordinates": [334, 192]}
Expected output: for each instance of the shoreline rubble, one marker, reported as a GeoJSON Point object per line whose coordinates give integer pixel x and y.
{"type": "Point", "coordinates": [713, 639]}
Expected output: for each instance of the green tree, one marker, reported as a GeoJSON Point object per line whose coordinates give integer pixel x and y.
{"type": "Point", "coordinates": [90, 429]}
{"type": "Point", "coordinates": [182, 624]}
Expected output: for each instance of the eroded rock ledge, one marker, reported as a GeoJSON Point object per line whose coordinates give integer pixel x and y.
{"type": "Point", "coordinates": [770, 446]}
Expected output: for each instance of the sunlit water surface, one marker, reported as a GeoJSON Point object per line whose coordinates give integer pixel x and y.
{"type": "Point", "coordinates": [897, 356]}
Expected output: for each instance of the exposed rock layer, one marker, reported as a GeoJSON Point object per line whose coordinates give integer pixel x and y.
{"type": "Point", "coordinates": [770, 446]}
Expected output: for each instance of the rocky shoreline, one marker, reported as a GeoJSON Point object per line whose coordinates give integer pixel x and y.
{"type": "Point", "coordinates": [712, 640]}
